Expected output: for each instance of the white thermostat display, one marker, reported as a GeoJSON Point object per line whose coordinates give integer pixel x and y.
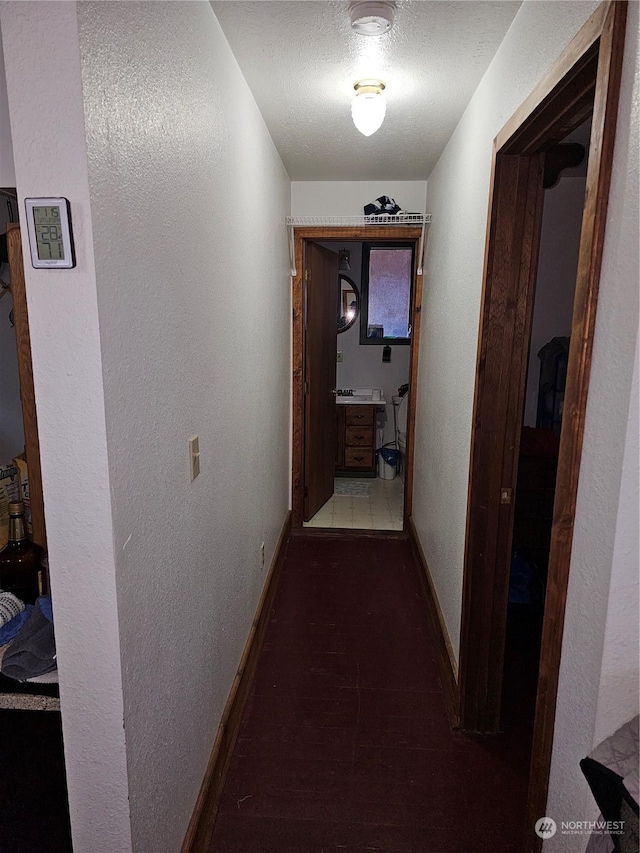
{"type": "Point", "coordinates": [50, 237]}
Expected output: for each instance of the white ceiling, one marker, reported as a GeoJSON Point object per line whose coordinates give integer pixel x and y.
{"type": "Point", "coordinates": [301, 59]}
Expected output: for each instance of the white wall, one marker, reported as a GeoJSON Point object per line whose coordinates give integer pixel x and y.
{"type": "Point", "coordinates": [7, 170]}
{"type": "Point", "coordinates": [174, 329]}
{"type": "Point", "coordinates": [458, 197]}
{"type": "Point", "coordinates": [189, 199]}
{"type": "Point", "coordinates": [348, 198]}
{"type": "Point", "coordinates": [556, 280]}
{"type": "Point", "coordinates": [618, 694]}
{"type": "Point", "coordinates": [47, 123]}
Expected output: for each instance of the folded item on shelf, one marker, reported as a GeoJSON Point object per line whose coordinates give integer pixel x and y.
{"type": "Point", "coordinates": [13, 628]}
{"type": "Point", "coordinates": [33, 651]}
{"type": "Point", "coordinates": [10, 607]}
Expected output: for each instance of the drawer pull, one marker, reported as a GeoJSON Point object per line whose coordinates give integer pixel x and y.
{"type": "Point", "coordinates": [359, 437]}
{"type": "Point", "coordinates": [358, 458]}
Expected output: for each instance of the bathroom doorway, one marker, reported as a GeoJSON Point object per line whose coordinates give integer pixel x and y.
{"type": "Point", "coordinates": [343, 400]}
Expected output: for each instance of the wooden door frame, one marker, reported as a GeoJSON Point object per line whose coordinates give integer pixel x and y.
{"type": "Point", "coordinates": [585, 80]}
{"type": "Point", "coordinates": [359, 234]}
{"type": "Point", "coordinates": [17, 287]}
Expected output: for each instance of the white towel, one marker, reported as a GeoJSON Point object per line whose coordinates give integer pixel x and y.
{"type": "Point", "coordinates": [10, 607]}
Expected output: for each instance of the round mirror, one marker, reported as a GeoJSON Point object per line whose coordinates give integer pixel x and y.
{"type": "Point", "coordinates": [348, 303]}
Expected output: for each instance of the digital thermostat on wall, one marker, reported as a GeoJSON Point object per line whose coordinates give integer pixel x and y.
{"type": "Point", "coordinates": [50, 236]}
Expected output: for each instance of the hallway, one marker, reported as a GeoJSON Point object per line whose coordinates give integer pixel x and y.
{"type": "Point", "coordinates": [345, 743]}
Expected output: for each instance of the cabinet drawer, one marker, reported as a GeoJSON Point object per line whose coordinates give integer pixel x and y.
{"type": "Point", "coordinates": [359, 436]}
{"type": "Point", "coordinates": [360, 415]}
{"type": "Point", "coordinates": [358, 457]}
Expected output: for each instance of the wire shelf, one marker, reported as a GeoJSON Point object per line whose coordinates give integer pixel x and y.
{"type": "Point", "coordinates": [358, 221]}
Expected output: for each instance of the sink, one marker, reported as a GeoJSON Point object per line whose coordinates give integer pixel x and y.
{"type": "Point", "coordinates": [359, 399]}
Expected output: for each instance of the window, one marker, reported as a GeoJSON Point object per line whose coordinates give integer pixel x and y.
{"type": "Point", "coordinates": [387, 286]}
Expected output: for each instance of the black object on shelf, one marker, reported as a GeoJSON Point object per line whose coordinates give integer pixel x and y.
{"type": "Point", "coordinates": [10, 685]}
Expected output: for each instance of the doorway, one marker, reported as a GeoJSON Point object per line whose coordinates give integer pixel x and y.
{"type": "Point", "coordinates": [585, 80]}
{"type": "Point", "coordinates": [321, 429]}
{"type": "Point", "coordinates": [564, 184]}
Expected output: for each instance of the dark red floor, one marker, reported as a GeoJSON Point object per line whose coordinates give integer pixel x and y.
{"type": "Point", "coordinates": [345, 744]}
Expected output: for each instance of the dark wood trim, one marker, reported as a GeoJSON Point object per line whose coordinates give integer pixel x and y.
{"type": "Point", "coordinates": [585, 79]}
{"type": "Point", "coordinates": [446, 657]}
{"type": "Point", "coordinates": [346, 533]}
{"type": "Point", "coordinates": [413, 391]}
{"type": "Point", "coordinates": [360, 233]}
{"type": "Point", "coordinates": [516, 135]}
{"type": "Point", "coordinates": [25, 375]}
{"type": "Point", "coordinates": [363, 234]}
{"type": "Point", "coordinates": [201, 825]}
{"type": "Point", "coordinates": [297, 385]}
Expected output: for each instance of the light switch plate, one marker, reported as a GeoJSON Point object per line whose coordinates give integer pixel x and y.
{"type": "Point", "coordinates": [194, 456]}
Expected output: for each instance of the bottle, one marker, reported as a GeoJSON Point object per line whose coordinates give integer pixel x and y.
{"type": "Point", "coordinates": [20, 559]}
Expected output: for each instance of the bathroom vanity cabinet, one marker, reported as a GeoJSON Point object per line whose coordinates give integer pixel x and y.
{"type": "Point", "coordinates": [356, 441]}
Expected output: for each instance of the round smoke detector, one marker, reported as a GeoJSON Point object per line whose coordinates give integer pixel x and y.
{"type": "Point", "coordinates": [371, 18]}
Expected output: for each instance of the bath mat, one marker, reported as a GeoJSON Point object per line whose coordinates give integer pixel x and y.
{"type": "Point", "coordinates": [352, 488]}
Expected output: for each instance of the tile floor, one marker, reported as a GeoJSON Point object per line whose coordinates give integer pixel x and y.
{"type": "Point", "coordinates": [381, 510]}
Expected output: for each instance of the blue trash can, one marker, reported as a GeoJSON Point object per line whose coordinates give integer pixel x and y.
{"type": "Point", "coordinates": [387, 462]}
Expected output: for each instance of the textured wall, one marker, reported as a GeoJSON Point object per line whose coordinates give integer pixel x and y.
{"type": "Point", "coordinates": [458, 192]}
{"type": "Point", "coordinates": [348, 198]}
{"type": "Point", "coordinates": [188, 199]}
{"type": "Point", "coordinates": [618, 695]}
{"type": "Point", "coordinates": [47, 122]}
{"type": "Point", "coordinates": [7, 171]}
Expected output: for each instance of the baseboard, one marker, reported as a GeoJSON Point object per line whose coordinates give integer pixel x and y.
{"type": "Point", "coordinates": [200, 830]}
{"type": "Point", "coordinates": [446, 658]}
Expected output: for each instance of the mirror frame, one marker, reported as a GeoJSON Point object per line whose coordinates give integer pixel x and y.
{"type": "Point", "coordinates": [354, 287]}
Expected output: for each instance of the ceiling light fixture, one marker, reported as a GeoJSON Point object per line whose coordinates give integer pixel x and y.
{"type": "Point", "coordinates": [372, 17]}
{"type": "Point", "coordinates": [368, 106]}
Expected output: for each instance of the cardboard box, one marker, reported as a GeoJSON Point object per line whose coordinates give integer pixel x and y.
{"type": "Point", "coordinates": [9, 491]}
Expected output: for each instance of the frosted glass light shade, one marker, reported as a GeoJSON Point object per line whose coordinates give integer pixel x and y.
{"type": "Point", "coordinates": [368, 109]}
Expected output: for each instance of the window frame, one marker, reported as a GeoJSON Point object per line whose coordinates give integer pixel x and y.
{"type": "Point", "coordinates": [364, 291]}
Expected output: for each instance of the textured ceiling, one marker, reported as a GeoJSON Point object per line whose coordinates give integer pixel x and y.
{"type": "Point", "coordinates": [301, 59]}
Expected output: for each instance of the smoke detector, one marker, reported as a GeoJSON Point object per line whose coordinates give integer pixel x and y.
{"type": "Point", "coordinates": [371, 17]}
